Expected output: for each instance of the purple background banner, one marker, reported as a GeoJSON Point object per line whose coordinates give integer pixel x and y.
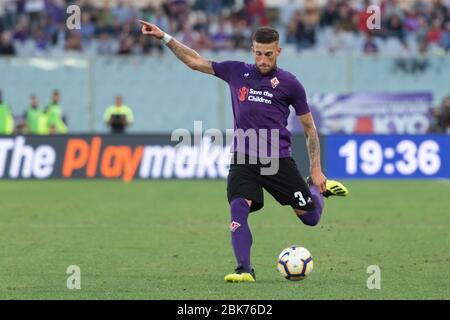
{"type": "Point", "coordinates": [369, 113]}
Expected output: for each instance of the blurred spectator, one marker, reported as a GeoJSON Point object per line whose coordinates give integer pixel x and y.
{"type": "Point", "coordinates": [305, 33]}
{"type": "Point", "coordinates": [255, 13]}
{"type": "Point", "coordinates": [212, 7]}
{"type": "Point", "coordinates": [87, 6]}
{"type": "Point", "coordinates": [395, 29]}
{"type": "Point", "coordinates": [42, 41]}
{"type": "Point", "coordinates": [162, 20]}
{"type": "Point", "coordinates": [421, 34]}
{"type": "Point", "coordinates": [287, 12]}
{"type": "Point", "coordinates": [444, 41]}
{"type": "Point", "coordinates": [435, 32]}
{"type": "Point", "coordinates": [21, 30]}
{"type": "Point", "coordinates": [123, 12]}
{"type": "Point", "coordinates": [292, 27]}
{"type": "Point", "coordinates": [345, 18]}
{"type": "Point", "coordinates": [411, 21]}
{"type": "Point", "coordinates": [105, 17]}
{"type": "Point", "coordinates": [442, 116]}
{"type": "Point", "coordinates": [204, 42]}
{"type": "Point", "coordinates": [126, 41]}
{"type": "Point", "coordinates": [420, 7]}
{"type": "Point", "coordinates": [149, 44]}
{"type": "Point", "coordinates": [54, 115]}
{"type": "Point", "coordinates": [105, 44]}
{"type": "Point", "coordinates": [37, 26]}
{"type": "Point", "coordinates": [312, 11]}
{"type": "Point", "coordinates": [330, 14]}
{"type": "Point", "coordinates": [35, 122]}
{"type": "Point", "coordinates": [6, 118]}
{"type": "Point", "coordinates": [188, 36]}
{"type": "Point", "coordinates": [73, 41]}
{"type": "Point", "coordinates": [2, 15]}
{"type": "Point", "coordinates": [34, 9]}
{"type": "Point", "coordinates": [241, 37]}
{"type": "Point", "coordinates": [88, 30]}
{"type": "Point", "coordinates": [6, 44]}
{"type": "Point", "coordinates": [51, 31]}
{"type": "Point", "coordinates": [339, 41]}
{"type": "Point", "coordinates": [363, 17]}
{"type": "Point", "coordinates": [222, 38]}
{"type": "Point", "coordinates": [370, 46]}
{"type": "Point", "coordinates": [118, 116]}
{"type": "Point", "coordinates": [178, 11]}
{"type": "Point", "coordinates": [54, 9]}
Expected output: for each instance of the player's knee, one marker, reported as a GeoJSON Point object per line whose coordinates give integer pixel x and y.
{"type": "Point", "coordinates": [299, 212]}
{"type": "Point", "coordinates": [239, 205]}
{"type": "Point", "coordinates": [312, 223]}
{"type": "Point", "coordinates": [309, 220]}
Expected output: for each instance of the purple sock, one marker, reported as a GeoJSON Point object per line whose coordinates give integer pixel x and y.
{"type": "Point", "coordinates": [241, 237]}
{"type": "Point", "coordinates": [311, 218]}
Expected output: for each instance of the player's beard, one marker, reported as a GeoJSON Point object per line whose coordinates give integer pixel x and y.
{"type": "Point", "coordinates": [267, 71]}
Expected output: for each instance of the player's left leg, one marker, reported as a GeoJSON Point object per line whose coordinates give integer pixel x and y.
{"type": "Point", "coordinates": [312, 217]}
{"type": "Point", "coordinates": [288, 187]}
{"type": "Point", "coordinates": [334, 188]}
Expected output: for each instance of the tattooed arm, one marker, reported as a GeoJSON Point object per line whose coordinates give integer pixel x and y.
{"type": "Point", "coordinates": [313, 146]}
{"type": "Point", "coordinates": [188, 56]}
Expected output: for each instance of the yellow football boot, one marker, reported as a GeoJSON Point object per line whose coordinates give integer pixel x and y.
{"type": "Point", "coordinates": [334, 188]}
{"type": "Point", "coordinates": [240, 276]}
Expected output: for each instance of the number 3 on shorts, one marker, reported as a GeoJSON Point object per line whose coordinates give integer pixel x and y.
{"type": "Point", "coordinates": [301, 201]}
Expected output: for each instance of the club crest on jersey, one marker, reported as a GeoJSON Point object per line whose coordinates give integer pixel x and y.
{"type": "Point", "coordinates": [234, 225]}
{"type": "Point", "coordinates": [274, 82]}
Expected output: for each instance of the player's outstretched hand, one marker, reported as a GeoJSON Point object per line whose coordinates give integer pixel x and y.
{"type": "Point", "coordinates": [151, 29]}
{"type": "Point", "coordinates": [319, 180]}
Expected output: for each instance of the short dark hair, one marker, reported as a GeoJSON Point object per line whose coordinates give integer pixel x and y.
{"type": "Point", "coordinates": [265, 35]}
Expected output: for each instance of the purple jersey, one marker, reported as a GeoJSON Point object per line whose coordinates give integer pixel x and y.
{"type": "Point", "coordinates": [262, 102]}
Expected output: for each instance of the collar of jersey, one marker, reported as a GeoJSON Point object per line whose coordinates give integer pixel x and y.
{"type": "Point", "coordinates": [270, 74]}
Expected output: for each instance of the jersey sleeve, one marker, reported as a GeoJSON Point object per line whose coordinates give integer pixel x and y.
{"type": "Point", "coordinates": [224, 70]}
{"type": "Point", "coordinates": [298, 98]}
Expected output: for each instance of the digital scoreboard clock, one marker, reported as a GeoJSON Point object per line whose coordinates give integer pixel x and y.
{"type": "Point", "coordinates": [375, 156]}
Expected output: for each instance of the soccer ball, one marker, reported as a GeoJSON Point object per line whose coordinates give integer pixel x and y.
{"type": "Point", "coordinates": [295, 263]}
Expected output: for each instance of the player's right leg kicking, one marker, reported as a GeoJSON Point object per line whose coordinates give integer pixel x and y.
{"type": "Point", "coordinates": [334, 188]}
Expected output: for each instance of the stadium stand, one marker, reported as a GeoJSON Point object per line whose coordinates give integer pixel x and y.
{"type": "Point", "coordinates": [30, 28]}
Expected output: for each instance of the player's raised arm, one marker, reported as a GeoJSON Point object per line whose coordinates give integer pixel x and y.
{"type": "Point", "coordinates": [188, 56]}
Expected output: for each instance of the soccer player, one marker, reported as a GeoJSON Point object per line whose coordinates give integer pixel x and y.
{"type": "Point", "coordinates": [261, 94]}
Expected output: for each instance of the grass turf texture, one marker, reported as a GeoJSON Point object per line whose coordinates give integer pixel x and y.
{"type": "Point", "coordinates": [170, 240]}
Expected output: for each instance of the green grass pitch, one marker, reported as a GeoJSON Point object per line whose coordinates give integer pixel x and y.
{"type": "Point", "coordinates": [170, 240]}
